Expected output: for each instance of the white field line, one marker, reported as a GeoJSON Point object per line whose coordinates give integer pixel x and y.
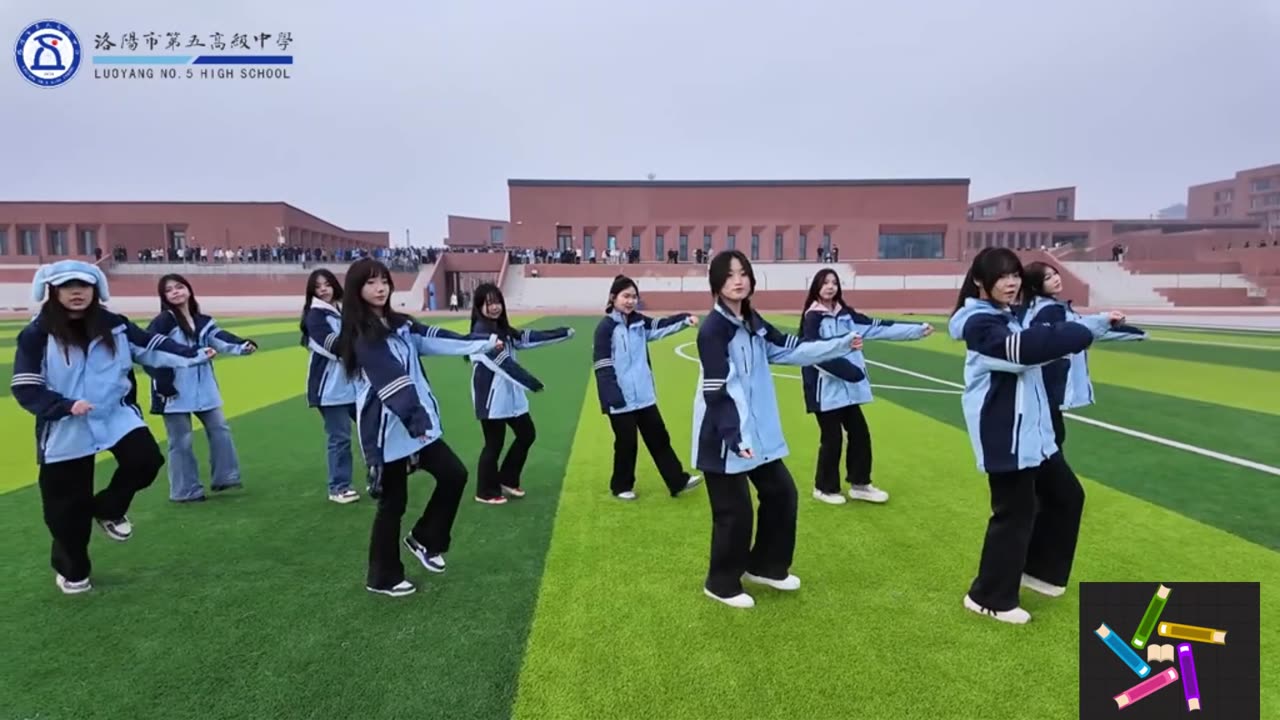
{"type": "Point", "coordinates": [1205, 452]}
{"type": "Point", "coordinates": [1274, 348]}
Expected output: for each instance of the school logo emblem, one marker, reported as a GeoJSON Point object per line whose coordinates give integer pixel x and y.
{"type": "Point", "coordinates": [47, 53]}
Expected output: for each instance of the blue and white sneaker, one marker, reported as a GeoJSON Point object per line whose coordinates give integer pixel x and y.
{"type": "Point", "coordinates": [432, 562]}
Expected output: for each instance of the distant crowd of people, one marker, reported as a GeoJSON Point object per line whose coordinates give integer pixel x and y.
{"type": "Point", "coordinates": [399, 259]}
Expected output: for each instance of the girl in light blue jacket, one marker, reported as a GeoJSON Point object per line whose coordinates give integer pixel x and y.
{"type": "Point", "coordinates": [835, 391]}
{"type": "Point", "coordinates": [177, 394]}
{"type": "Point", "coordinates": [72, 370]}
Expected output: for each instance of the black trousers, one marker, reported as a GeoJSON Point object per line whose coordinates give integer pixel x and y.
{"type": "Point", "coordinates": [489, 477]}
{"type": "Point", "coordinates": [833, 426]}
{"type": "Point", "coordinates": [1059, 427]}
{"type": "Point", "coordinates": [432, 529]}
{"type": "Point", "coordinates": [1034, 526]}
{"type": "Point", "coordinates": [656, 439]}
{"type": "Point", "coordinates": [70, 506]}
{"type": "Point", "coordinates": [732, 553]}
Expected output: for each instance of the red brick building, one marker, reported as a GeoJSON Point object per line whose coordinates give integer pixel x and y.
{"type": "Point", "coordinates": [771, 221]}
{"type": "Point", "coordinates": [1053, 204]}
{"type": "Point", "coordinates": [45, 231]}
{"type": "Point", "coordinates": [1252, 194]}
{"type": "Point", "coordinates": [470, 232]}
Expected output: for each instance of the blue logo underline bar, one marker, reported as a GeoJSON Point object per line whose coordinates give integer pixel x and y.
{"type": "Point", "coordinates": [192, 59]}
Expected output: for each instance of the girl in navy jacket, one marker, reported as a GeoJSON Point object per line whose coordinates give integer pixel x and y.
{"type": "Point", "coordinates": [177, 394]}
{"type": "Point", "coordinates": [398, 419]}
{"type": "Point", "coordinates": [835, 391]}
{"type": "Point", "coordinates": [1066, 379]}
{"type": "Point", "coordinates": [72, 370]}
{"type": "Point", "coordinates": [498, 393]}
{"type": "Point", "coordinates": [1036, 501]}
{"type": "Point", "coordinates": [329, 389]}
{"type": "Point", "coordinates": [737, 434]}
{"type": "Point", "coordinates": [624, 382]}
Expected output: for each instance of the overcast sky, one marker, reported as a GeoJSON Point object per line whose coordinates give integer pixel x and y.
{"type": "Point", "coordinates": [400, 112]}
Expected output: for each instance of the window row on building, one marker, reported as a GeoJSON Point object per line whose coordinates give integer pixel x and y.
{"type": "Point", "coordinates": [891, 245]}
{"type": "Point", "coordinates": [1029, 240]}
{"type": "Point", "coordinates": [57, 241]}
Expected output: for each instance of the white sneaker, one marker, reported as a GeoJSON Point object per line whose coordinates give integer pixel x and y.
{"type": "Point", "coordinates": [118, 530]}
{"type": "Point", "coordinates": [346, 497]}
{"type": "Point", "coordinates": [72, 588]}
{"type": "Point", "coordinates": [628, 495]}
{"type": "Point", "coordinates": [1041, 586]}
{"type": "Point", "coordinates": [1016, 616]}
{"type": "Point", "coordinates": [869, 493]}
{"type": "Point", "coordinates": [829, 498]}
{"type": "Point", "coordinates": [402, 588]}
{"type": "Point", "coordinates": [790, 582]}
{"type": "Point", "coordinates": [512, 491]}
{"type": "Point", "coordinates": [693, 482]}
{"type": "Point", "coordinates": [434, 563]}
{"type": "Point", "coordinates": [741, 600]}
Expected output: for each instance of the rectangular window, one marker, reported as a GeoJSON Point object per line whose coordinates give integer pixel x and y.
{"type": "Point", "coordinates": [588, 247]}
{"type": "Point", "coordinates": [57, 242]}
{"type": "Point", "coordinates": [659, 247]}
{"type": "Point", "coordinates": [911, 245]}
{"type": "Point", "coordinates": [804, 247]}
{"type": "Point", "coordinates": [1062, 206]}
{"type": "Point", "coordinates": [755, 247]}
{"type": "Point", "coordinates": [684, 247]}
{"type": "Point", "coordinates": [732, 242]}
{"type": "Point", "coordinates": [4, 242]}
{"type": "Point", "coordinates": [777, 247]}
{"type": "Point", "coordinates": [989, 210]}
{"type": "Point", "coordinates": [613, 242]}
{"type": "Point", "coordinates": [635, 243]}
{"type": "Point", "coordinates": [1260, 185]}
{"type": "Point", "coordinates": [495, 235]}
{"type": "Point", "coordinates": [969, 214]}
{"type": "Point", "coordinates": [27, 242]}
{"type": "Point", "coordinates": [88, 242]}
{"type": "Point", "coordinates": [564, 241]}
{"type": "Point", "coordinates": [706, 243]}
{"type": "Point", "coordinates": [826, 245]}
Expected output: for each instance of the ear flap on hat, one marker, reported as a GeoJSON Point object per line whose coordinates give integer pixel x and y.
{"type": "Point", "coordinates": [39, 282]}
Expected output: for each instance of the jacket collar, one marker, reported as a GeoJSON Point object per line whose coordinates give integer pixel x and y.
{"type": "Point", "coordinates": [317, 303]}
{"type": "Point", "coordinates": [819, 307]}
{"type": "Point", "coordinates": [624, 319]}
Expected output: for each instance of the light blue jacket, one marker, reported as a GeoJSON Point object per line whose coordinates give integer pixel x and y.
{"type": "Point", "coordinates": [1005, 402]}
{"type": "Point", "coordinates": [47, 383]}
{"type": "Point", "coordinates": [192, 389]}
{"type": "Point", "coordinates": [832, 385]}
{"type": "Point", "coordinates": [327, 381]}
{"type": "Point", "coordinates": [736, 407]}
{"type": "Point", "coordinates": [498, 383]}
{"type": "Point", "coordinates": [620, 358]}
{"type": "Point", "coordinates": [1068, 379]}
{"type": "Point", "coordinates": [396, 412]}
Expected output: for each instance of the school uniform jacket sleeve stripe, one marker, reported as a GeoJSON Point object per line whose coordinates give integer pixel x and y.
{"type": "Point", "coordinates": [432, 340]}
{"type": "Point", "coordinates": [670, 325]}
{"type": "Point", "coordinates": [528, 339]}
{"type": "Point", "coordinates": [602, 364]}
{"type": "Point", "coordinates": [875, 329]}
{"type": "Point", "coordinates": [28, 384]}
{"type": "Point", "coordinates": [502, 362]}
{"type": "Point", "coordinates": [810, 330]}
{"type": "Point", "coordinates": [225, 342]}
{"type": "Point", "coordinates": [155, 350]}
{"type": "Point", "coordinates": [320, 336]}
{"type": "Point", "coordinates": [392, 385]}
{"type": "Point", "coordinates": [713, 355]}
{"type": "Point", "coordinates": [989, 336]}
{"type": "Point", "coordinates": [162, 377]}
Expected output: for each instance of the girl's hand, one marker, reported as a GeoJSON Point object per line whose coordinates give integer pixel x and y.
{"type": "Point", "coordinates": [746, 453]}
{"type": "Point", "coordinates": [499, 345]}
{"type": "Point", "coordinates": [693, 320]}
{"type": "Point", "coordinates": [81, 407]}
{"type": "Point", "coordinates": [1116, 317]}
{"type": "Point", "coordinates": [928, 330]}
{"type": "Point", "coordinates": [856, 342]}
{"type": "Point", "coordinates": [249, 348]}
{"type": "Point", "coordinates": [209, 353]}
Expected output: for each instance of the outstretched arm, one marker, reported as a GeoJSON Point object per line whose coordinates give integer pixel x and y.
{"type": "Point", "coordinates": [155, 350]}
{"type": "Point", "coordinates": [658, 329]}
{"type": "Point", "coordinates": [602, 365]}
{"type": "Point", "coordinates": [786, 349]}
{"type": "Point", "coordinates": [1005, 351]}
{"type": "Point", "coordinates": [432, 340]}
{"type": "Point", "coordinates": [529, 339]}
{"type": "Point", "coordinates": [811, 331]}
{"type": "Point", "coordinates": [873, 329]}
{"type": "Point", "coordinates": [163, 377]}
{"type": "Point", "coordinates": [392, 385]}
{"type": "Point", "coordinates": [225, 342]}
{"type": "Point", "coordinates": [713, 355]}
{"type": "Point", "coordinates": [28, 384]}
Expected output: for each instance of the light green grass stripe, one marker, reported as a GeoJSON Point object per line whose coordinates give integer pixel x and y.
{"type": "Point", "coordinates": [622, 628]}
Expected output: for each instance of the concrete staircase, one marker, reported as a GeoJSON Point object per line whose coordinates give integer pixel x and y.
{"type": "Point", "coordinates": [1111, 286]}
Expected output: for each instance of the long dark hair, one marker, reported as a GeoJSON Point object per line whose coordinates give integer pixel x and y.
{"type": "Point", "coordinates": [330, 278]}
{"type": "Point", "coordinates": [193, 307]}
{"type": "Point", "coordinates": [479, 298]}
{"type": "Point", "coordinates": [718, 275]}
{"type": "Point", "coordinates": [1033, 278]}
{"type": "Point", "coordinates": [988, 266]}
{"type": "Point", "coordinates": [359, 321]}
{"type": "Point", "coordinates": [68, 331]}
{"type": "Point", "coordinates": [620, 283]}
{"type": "Point", "coordinates": [815, 290]}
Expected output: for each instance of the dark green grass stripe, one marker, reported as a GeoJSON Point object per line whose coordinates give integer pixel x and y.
{"type": "Point", "coordinates": [1257, 359]}
{"type": "Point", "coordinates": [253, 605]}
{"type": "Point", "coordinates": [1235, 499]}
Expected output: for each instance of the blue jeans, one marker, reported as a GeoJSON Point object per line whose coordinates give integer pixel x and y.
{"type": "Point", "coordinates": [337, 430]}
{"type": "Point", "coordinates": [184, 474]}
